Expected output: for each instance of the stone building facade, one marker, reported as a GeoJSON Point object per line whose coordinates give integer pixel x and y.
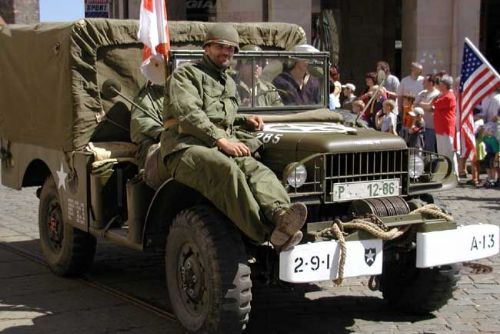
{"type": "Point", "coordinates": [364, 31]}
{"type": "Point", "coordinates": [20, 11]}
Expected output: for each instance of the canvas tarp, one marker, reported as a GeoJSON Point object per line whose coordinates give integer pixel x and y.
{"type": "Point", "coordinates": [51, 73]}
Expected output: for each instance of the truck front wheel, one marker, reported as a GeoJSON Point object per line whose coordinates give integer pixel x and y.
{"type": "Point", "coordinates": [208, 277]}
{"type": "Point", "coordinates": [418, 290]}
{"type": "Point", "coordinates": [67, 250]}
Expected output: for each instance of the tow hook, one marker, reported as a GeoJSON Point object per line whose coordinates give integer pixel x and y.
{"type": "Point", "coordinates": [374, 283]}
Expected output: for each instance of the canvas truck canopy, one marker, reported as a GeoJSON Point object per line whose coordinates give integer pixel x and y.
{"type": "Point", "coordinates": [51, 73]}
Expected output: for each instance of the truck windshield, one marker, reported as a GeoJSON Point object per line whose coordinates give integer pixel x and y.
{"type": "Point", "coordinates": [276, 81]}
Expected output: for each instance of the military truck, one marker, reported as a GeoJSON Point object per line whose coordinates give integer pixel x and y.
{"type": "Point", "coordinates": [369, 196]}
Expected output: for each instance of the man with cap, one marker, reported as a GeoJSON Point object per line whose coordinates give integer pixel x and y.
{"type": "Point", "coordinates": [250, 83]}
{"type": "Point", "coordinates": [348, 91]}
{"type": "Point", "coordinates": [203, 149]}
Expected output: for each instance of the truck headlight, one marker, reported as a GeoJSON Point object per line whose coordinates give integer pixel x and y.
{"type": "Point", "coordinates": [416, 166]}
{"type": "Point", "coordinates": [297, 175]}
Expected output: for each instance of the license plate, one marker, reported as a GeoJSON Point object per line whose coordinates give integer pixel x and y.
{"type": "Point", "coordinates": [366, 189]}
{"type": "Point", "coordinates": [465, 243]}
{"type": "Point", "coordinates": [318, 261]}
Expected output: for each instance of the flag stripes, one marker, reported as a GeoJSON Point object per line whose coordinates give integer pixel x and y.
{"type": "Point", "coordinates": [478, 79]}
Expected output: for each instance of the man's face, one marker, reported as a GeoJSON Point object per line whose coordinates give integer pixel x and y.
{"type": "Point", "coordinates": [220, 54]}
{"type": "Point", "coordinates": [415, 71]}
{"type": "Point", "coordinates": [246, 71]}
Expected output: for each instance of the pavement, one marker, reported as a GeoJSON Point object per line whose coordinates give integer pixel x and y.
{"type": "Point", "coordinates": [33, 300]}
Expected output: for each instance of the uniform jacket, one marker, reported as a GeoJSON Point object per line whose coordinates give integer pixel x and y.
{"type": "Point", "coordinates": [202, 99]}
{"type": "Point", "coordinates": [146, 124]}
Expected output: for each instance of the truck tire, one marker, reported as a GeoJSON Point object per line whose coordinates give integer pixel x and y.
{"type": "Point", "coordinates": [67, 250]}
{"type": "Point", "coordinates": [208, 276]}
{"type": "Point", "coordinates": [418, 290]}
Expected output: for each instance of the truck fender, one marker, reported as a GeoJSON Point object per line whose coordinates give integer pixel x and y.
{"type": "Point", "coordinates": [171, 198]}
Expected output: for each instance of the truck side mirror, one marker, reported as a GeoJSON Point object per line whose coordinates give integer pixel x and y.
{"type": "Point", "coordinates": [111, 88]}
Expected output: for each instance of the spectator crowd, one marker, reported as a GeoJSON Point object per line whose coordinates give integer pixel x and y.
{"type": "Point", "coordinates": [424, 111]}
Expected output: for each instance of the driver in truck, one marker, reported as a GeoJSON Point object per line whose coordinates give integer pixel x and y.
{"type": "Point", "coordinates": [204, 148]}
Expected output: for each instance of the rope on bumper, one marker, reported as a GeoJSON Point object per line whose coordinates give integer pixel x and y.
{"type": "Point", "coordinates": [376, 227]}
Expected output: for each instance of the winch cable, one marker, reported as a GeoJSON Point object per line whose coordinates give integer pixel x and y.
{"type": "Point", "coordinates": [376, 227]}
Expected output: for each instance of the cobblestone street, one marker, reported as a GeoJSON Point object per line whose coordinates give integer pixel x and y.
{"type": "Point", "coordinates": [32, 300]}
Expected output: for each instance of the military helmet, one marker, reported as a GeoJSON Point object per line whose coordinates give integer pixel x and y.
{"type": "Point", "coordinates": [304, 48]}
{"type": "Point", "coordinates": [251, 47]}
{"type": "Point", "coordinates": [223, 33]}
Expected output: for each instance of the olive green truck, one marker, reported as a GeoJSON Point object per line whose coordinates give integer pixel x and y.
{"type": "Point", "coordinates": [369, 196]}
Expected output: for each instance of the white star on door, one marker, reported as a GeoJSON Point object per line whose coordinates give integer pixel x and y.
{"type": "Point", "coordinates": [61, 177]}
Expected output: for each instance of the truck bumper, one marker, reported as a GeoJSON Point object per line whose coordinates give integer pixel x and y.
{"type": "Point", "coordinates": [465, 243]}
{"type": "Point", "coordinates": [318, 261]}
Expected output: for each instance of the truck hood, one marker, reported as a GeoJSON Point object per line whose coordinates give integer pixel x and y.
{"type": "Point", "coordinates": [325, 137]}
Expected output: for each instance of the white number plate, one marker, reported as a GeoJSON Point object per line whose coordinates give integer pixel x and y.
{"type": "Point", "coordinates": [367, 189]}
{"type": "Point", "coordinates": [465, 243]}
{"type": "Point", "coordinates": [318, 261]}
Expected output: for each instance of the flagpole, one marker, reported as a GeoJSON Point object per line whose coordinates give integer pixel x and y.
{"type": "Point", "coordinates": [480, 55]}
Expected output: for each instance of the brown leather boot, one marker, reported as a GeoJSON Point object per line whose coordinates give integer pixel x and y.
{"type": "Point", "coordinates": [288, 222]}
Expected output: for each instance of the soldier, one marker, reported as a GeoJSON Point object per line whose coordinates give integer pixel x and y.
{"type": "Point", "coordinates": [203, 149]}
{"type": "Point", "coordinates": [146, 124]}
{"type": "Point", "coordinates": [265, 94]}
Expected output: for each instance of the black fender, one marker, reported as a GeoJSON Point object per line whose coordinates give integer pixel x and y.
{"type": "Point", "coordinates": [171, 198]}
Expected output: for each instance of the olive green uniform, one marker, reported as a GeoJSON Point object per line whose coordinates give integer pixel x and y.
{"type": "Point", "coordinates": [265, 94]}
{"type": "Point", "coordinates": [202, 99]}
{"type": "Point", "coordinates": [146, 124]}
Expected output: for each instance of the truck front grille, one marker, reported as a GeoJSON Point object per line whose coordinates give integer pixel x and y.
{"type": "Point", "coordinates": [365, 166]}
{"type": "Point", "coordinates": [325, 170]}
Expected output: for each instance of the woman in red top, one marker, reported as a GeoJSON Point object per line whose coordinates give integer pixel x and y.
{"type": "Point", "coordinates": [444, 119]}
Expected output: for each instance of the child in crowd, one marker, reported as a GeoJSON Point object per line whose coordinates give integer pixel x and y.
{"type": "Point", "coordinates": [475, 162]}
{"type": "Point", "coordinates": [490, 162]}
{"type": "Point", "coordinates": [375, 105]}
{"type": "Point", "coordinates": [417, 128]}
{"type": "Point", "coordinates": [357, 106]}
{"type": "Point", "coordinates": [406, 120]}
{"type": "Point", "coordinates": [386, 118]}
{"type": "Point", "coordinates": [334, 97]}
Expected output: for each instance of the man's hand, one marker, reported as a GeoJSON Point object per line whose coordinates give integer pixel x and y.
{"type": "Point", "coordinates": [255, 122]}
{"type": "Point", "coordinates": [234, 149]}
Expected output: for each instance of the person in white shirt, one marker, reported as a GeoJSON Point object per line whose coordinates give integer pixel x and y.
{"type": "Point", "coordinates": [424, 100]}
{"type": "Point", "coordinates": [391, 83]}
{"type": "Point", "coordinates": [411, 85]}
{"type": "Point", "coordinates": [490, 107]}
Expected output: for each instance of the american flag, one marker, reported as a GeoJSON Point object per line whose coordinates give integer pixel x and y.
{"type": "Point", "coordinates": [478, 79]}
{"type": "Point", "coordinates": [154, 34]}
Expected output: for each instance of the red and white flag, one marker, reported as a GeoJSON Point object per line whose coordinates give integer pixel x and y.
{"type": "Point", "coordinates": [478, 79]}
{"type": "Point", "coordinates": [154, 34]}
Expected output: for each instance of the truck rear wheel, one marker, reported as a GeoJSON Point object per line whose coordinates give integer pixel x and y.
{"type": "Point", "coordinates": [418, 290]}
{"type": "Point", "coordinates": [208, 276]}
{"type": "Point", "coordinates": [67, 250]}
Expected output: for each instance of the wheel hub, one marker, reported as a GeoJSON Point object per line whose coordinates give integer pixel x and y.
{"type": "Point", "coordinates": [191, 278]}
{"type": "Point", "coordinates": [55, 228]}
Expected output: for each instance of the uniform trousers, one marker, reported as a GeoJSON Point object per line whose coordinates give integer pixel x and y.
{"type": "Point", "coordinates": [242, 188]}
